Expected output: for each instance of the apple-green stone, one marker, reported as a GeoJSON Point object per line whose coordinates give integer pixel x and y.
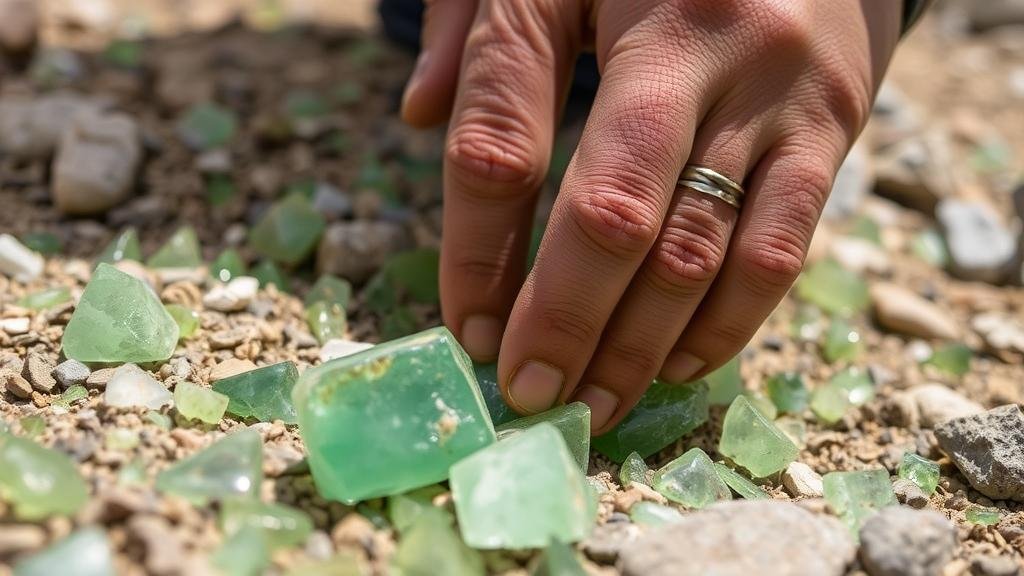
{"type": "Point", "coordinates": [231, 467]}
{"type": "Point", "coordinates": [753, 441]}
{"type": "Point", "coordinates": [725, 384]}
{"type": "Point", "coordinates": [920, 471]}
{"type": "Point", "coordinates": [857, 383]}
{"type": "Point", "coordinates": [196, 402]}
{"type": "Point", "coordinates": [228, 265]}
{"type": "Point", "coordinates": [125, 246]}
{"type": "Point", "coordinates": [487, 380]}
{"type": "Point", "coordinates": [559, 559]}
{"type": "Point", "coordinates": [45, 299]}
{"type": "Point", "coordinates": [572, 420]}
{"type": "Point", "coordinates": [186, 319]}
{"type": "Point", "coordinates": [691, 480]}
{"type": "Point", "coordinates": [762, 404]}
{"type": "Point", "coordinates": [788, 392]}
{"type": "Point", "coordinates": [830, 402]}
{"type": "Point", "coordinates": [264, 393]}
{"type": "Point", "coordinates": [180, 251]}
{"type": "Point", "coordinates": [665, 413]}
{"type": "Point", "coordinates": [289, 230]}
{"type": "Point", "coordinates": [651, 514]}
{"type": "Point", "coordinates": [419, 393]}
{"type": "Point", "coordinates": [499, 506]}
{"type": "Point", "coordinates": [842, 341]}
{"type": "Point", "coordinates": [330, 289]}
{"type": "Point", "coordinates": [404, 509]}
{"type": "Point", "coordinates": [431, 546]}
{"type": "Point", "coordinates": [244, 553]}
{"type": "Point", "coordinates": [953, 359]}
{"type": "Point", "coordinates": [633, 469]}
{"type": "Point", "coordinates": [86, 552]}
{"type": "Point", "coordinates": [739, 483]}
{"type": "Point", "coordinates": [268, 273]}
{"type": "Point", "coordinates": [856, 496]}
{"type": "Point", "coordinates": [983, 515]}
{"type": "Point", "coordinates": [326, 321]}
{"type": "Point", "coordinates": [833, 288]}
{"type": "Point", "coordinates": [206, 125]}
{"type": "Point", "coordinates": [283, 526]}
{"type": "Point", "coordinates": [42, 242]}
{"type": "Point", "coordinates": [38, 482]}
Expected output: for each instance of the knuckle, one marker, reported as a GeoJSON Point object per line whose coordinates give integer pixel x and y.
{"type": "Point", "coordinates": [569, 323]}
{"type": "Point", "coordinates": [494, 148]}
{"type": "Point", "coordinates": [690, 251]}
{"type": "Point", "coordinates": [770, 262]}
{"type": "Point", "coordinates": [614, 220]}
{"type": "Point", "coordinates": [480, 266]}
{"type": "Point", "coordinates": [632, 357]}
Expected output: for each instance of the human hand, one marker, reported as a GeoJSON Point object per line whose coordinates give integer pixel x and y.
{"type": "Point", "coordinates": [636, 276]}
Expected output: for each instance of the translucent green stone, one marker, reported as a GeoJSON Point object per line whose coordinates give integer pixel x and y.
{"type": "Point", "coordinates": [806, 325]}
{"type": "Point", "coordinates": [857, 383]}
{"type": "Point", "coordinates": [45, 299]}
{"type": "Point", "coordinates": [180, 251]}
{"type": "Point", "coordinates": [866, 228]}
{"type": "Point", "coordinates": [289, 230]}
{"type": "Point", "coordinates": [42, 242]}
{"type": "Point", "coordinates": [842, 341]}
{"type": "Point", "coordinates": [418, 392]}
{"type": "Point", "coordinates": [572, 420]}
{"type": "Point", "coordinates": [398, 323]}
{"type": "Point", "coordinates": [268, 273]}
{"type": "Point", "coordinates": [559, 559]}
{"type": "Point", "coordinates": [664, 414]}
{"type": "Point", "coordinates": [124, 53]}
{"type": "Point", "coordinates": [186, 319]}
{"type": "Point", "coordinates": [205, 126]}
{"type": "Point", "coordinates": [487, 380]}
{"type": "Point", "coordinates": [920, 471]}
{"type": "Point", "coordinates": [633, 469]}
{"type": "Point", "coordinates": [264, 393]}
{"type": "Point", "coordinates": [834, 289]}
{"type": "Point", "coordinates": [220, 189]}
{"type": "Point", "coordinates": [38, 482]}
{"type": "Point", "coordinates": [159, 420]}
{"type": "Point", "coordinates": [725, 384]}
{"type": "Point", "coordinates": [343, 564]}
{"type": "Point", "coordinates": [788, 392]}
{"type": "Point", "coordinates": [855, 496]}
{"type": "Point", "coordinates": [125, 246]}
{"type": "Point", "coordinates": [326, 321]}
{"type": "Point", "coordinates": [415, 273]}
{"type": "Point", "coordinates": [233, 466]}
{"type": "Point", "coordinates": [132, 474]}
{"type": "Point", "coordinates": [691, 480]}
{"type": "Point", "coordinates": [431, 546]}
{"type": "Point", "coordinates": [794, 428]}
{"type": "Point", "coordinates": [762, 404]}
{"type": "Point", "coordinates": [244, 553]}
{"type": "Point", "coordinates": [651, 514]}
{"type": "Point", "coordinates": [739, 484]}
{"type": "Point", "coordinates": [86, 550]}
{"type": "Point", "coordinates": [829, 403]}
{"type": "Point", "coordinates": [119, 319]}
{"type": "Point", "coordinates": [199, 403]}
{"type": "Point", "coordinates": [74, 394]}
{"type": "Point", "coordinates": [930, 247]}
{"type": "Point", "coordinates": [953, 359]}
{"type": "Point", "coordinates": [228, 265]}
{"type": "Point", "coordinates": [404, 509]}
{"type": "Point", "coordinates": [32, 426]}
{"type": "Point", "coordinates": [283, 526]}
{"type": "Point", "coordinates": [330, 289]}
{"type": "Point", "coordinates": [302, 105]}
{"type": "Point", "coordinates": [982, 515]}
{"type": "Point", "coordinates": [500, 507]}
{"type": "Point", "coordinates": [752, 441]}
{"type": "Point", "coordinates": [121, 439]}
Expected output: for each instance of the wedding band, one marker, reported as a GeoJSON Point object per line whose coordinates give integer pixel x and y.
{"type": "Point", "coordinates": [707, 181]}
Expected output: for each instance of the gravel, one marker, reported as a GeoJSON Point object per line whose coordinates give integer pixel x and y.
{"type": "Point", "coordinates": [903, 542]}
{"type": "Point", "coordinates": [988, 449]}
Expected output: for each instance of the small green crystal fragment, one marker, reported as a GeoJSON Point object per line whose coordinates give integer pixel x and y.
{"type": "Point", "coordinates": [691, 480]}
{"type": "Point", "coordinates": [855, 496]}
{"type": "Point", "coordinates": [330, 289]}
{"type": "Point", "coordinates": [326, 321]}
{"type": "Point", "coordinates": [920, 471]}
{"type": "Point", "coordinates": [431, 546]}
{"type": "Point", "coordinates": [199, 403]}
{"type": "Point", "coordinates": [857, 383]}
{"type": "Point", "coordinates": [289, 230]}
{"type": "Point", "coordinates": [132, 474]}
{"type": "Point", "coordinates": [180, 251]}
{"type": "Point", "coordinates": [86, 552]}
{"type": "Point", "coordinates": [752, 441]}
{"type": "Point", "coordinates": [415, 273]}
{"type": "Point", "coordinates": [806, 325]}
{"type": "Point", "coordinates": [739, 484]}
{"type": "Point", "coordinates": [32, 426]}
{"type": "Point", "coordinates": [487, 380]}
{"type": "Point", "coordinates": [633, 469]}
{"type": "Point", "coordinates": [833, 288]}
{"type": "Point", "coordinates": [119, 319]}
{"type": "Point", "coordinates": [651, 514]}
{"type": "Point", "coordinates": [398, 323]}
{"type": "Point", "coordinates": [207, 126]}
{"type": "Point", "coordinates": [983, 515]}
{"type": "Point", "coordinates": [343, 564]}
{"type": "Point", "coordinates": [559, 559]}
{"type": "Point", "coordinates": [499, 508]}
{"type": "Point", "coordinates": [762, 405]}
{"type": "Point", "coordinates": [123, 53]}
{"type": "Point", "coordinates": [663, 415]}
{"type": "Point", "coordinates": [46, 298]}
{"type": "Point", "coordinates": [220, 189]}
{"type": "Point", "coordinates": [120, 439]}
{"type": "Point", "coordinates": [842, 341]}
{"type": "Point", "coordinates": [930, 247]}
{"type": "Point", "coordinates": [305, 105]}
{"type": "Point", "coordinates": [419, 392]}
{"type": "Point", "coordinates": [953, 359]}
{"type": "Point", "coordinates": [186, 319]}
{"type": "Point", "coordinates": [830, 403]}
{"type": "Point", "coordinates": [788, 392]}
{"type": "Point", "coordinates": [268, 273]}
{"type": "Point", "coordinates": [794, 428]}
{"type": "Point", "coordinates": [404, 509]}
{"type": "Point", "coordinates": [230, 467]}
{"type": "Point", "coordinates": [125, 246]}
{"type": "Point", "coordinates": [572, 420]}
{"type": "Point", "coordinates": [160, 420]}
{"type": "Point", "coordinates": [38, 482]}
{"type": "Point", "coordinates": [725, 384]}
{"type": "Point", "coordinates": [866, 228]}
{"type": "Point", "coordinates": [282, 525]}
{"type": "Point", "coordinates": [74, 394]}
{"type": "Point", "coordinates": [42, 242]}
{"type": "Point", "coordinates": [244, 553]}
{"type": "Point", "coordinates": [264, 393]}
{"type": "Point", "coordinates": [228, 265]}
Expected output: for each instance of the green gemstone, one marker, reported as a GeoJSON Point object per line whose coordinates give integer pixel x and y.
{"type": "Point", "coordinates": [205, 126]}
{"type": "Point", "coordinates": [268, 273]}
{"type": "Point", "coordinates": [125, 246]}
{"type": "Point", "coordinates": [982, 515]}
{"type": "Point", "coordinates": [953, 359]}
{"type": "Point", "coordinates": [559, 559]}
{"type": "Point", "coordinates": [762, 404]}
{"type": "Point", "coordinates": [120, 439]}
{"type": "Point", "coordinates": [326, 321]}
{"type": "Point", "coordinates": [228, 265]}
{"type": "Point", "coordinates": [230, 467]}
{"type": "Point", "coordinates": [487, 380]}
{"type": "Point", "coordinates": [855, 496]}
{"type": "Point", "coordinates": [739, 483]}
{"type": "Point", "coordinates": [343, 564]}
{"type": "Point", "coordinates": [45, 299]}
{"type": "Point", "coordinates": [119, 319]}
{"type": "Point", "coordinates": [866, 229]}
{"type": "Point", "coordinates": [289, 230]}
{"type": "Point", "coordinates": [244, 553]}
{"type": "Point", "coordinates": [651, 514]}
{"type": "Point", "coordinates": [180, 251]}
{"type": "Point", "coordinates": [132, 474]}
{"type": "Point", "coordinates": [124, 53]}
{"type": "Point", "coordinates": [725, 384]}
{"type": "Point", "coordinates": [199, 403]}
{"type": "Point", "coordinates": [691, 480]}
{"type": "Point", "coordinates": [806, 325]}
{"type": "Point", "coordinates": [788, 392]}
{"type": "Point", "coordinates": [282, 525]}
{"type": "Point", "coordinates": [930, 247]}
{"type": "Point", "coordinates": [500, 507]}
{"type": "Point", "coordinates": [794, 428]}
{"type": "Point", "coordinates": [159, 420]}
{"type": "Point", "coordinates": [633, 469]}
{"type": "Point", "coordinates": [833, 288]}
{"type": "Point", "coordinates": [431, 546]}
{"type": "Point", "coordinates": [664, 414]}
{"type": "Point", "coordinates": [842, 341]}
{"type": "Point", "coordinates": [220, 189]}
{"type": "Point", "coordinates": [305, 105]}
{"type": "Point", "coordinates": [830, 403]}
{"type": "Point", "coordinates": [330, 289]}
{"type": "Point", "coordinates": [415, 273]}
{"type": "Point", "coordinates": [186, 319]}
{"type": "Point", "coordinates": [398, 323]}
{"type": "Point", "coordinates": [572, 420]}
{"type": "Point", "coordinates": [264, 393]}
{"type": "Point", "coordinates": [74, 394]}
{"type": "Point", "coordinates": [754, 442]}
{"type": "Point", "coordinates": [857, 383]}
{"type": "Point", "coordinates": [418, 392]}
{"type": "Point", "coordinates": [404, 509]}
{"type": "Point", "coordinates": [38, 482]}
{"type": "Point", "coordinates": [920, 471]}
{"type": "Point", "coordinates": [32, 426]}
{"type": "Point", "coordinates": [42, 242]}
{"type": "Point", "coordinates": [86, 552]}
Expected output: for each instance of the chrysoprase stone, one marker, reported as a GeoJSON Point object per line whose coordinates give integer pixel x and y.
{"type": "Point", "coordinates": [180, 251]}
{"type": "Point", "coordinates": [663, 415]}
{"type": "Point", "coordinates": [119, 319]}
{"type": "Point", "coordinates": [45, 299]}
{"type": "Point", "coordinates": [752, 441]}
{"type": "Point", "coordinates": [633, 469]}
{"type": "Point", "coordinates": [829, 403]}
{"type": "Point", "coordinates": [762, 404]}
{"type": "Point", "coordinates": [289, 230]}
{"type": "Point", "coordinates": [930, 247]}
{"type": "Point", "coordinates": [268, 273]}
{"type": "Point", "coordinates": [264, 393]}
{"type": "Point", "coordinates": [244, 553]}
{"type": "Point", "coordinates": [857, 383]}
{"type": "Point", "coordinates": [920, 471]}
{"type": "Point", "coordinates": [807, 324]}
{"type": "Point", "coordinates": [193, 401]}
{"type": "Point", "coordinates": [431, 546]}
{"type": "Point", "coordinates": [651, 514]}
{"type": "Point", "coordinates": [833, 288]}
{"type": "Point", "coordinates": [415, 274]}
{"type": "Point", "coordinates": [572, 420]}
{"type": "Point", "coordinates": [738, 483]}
{"type": "Point", "coordinates": [330, 289]}
{"type": "Point", "coordinates": [418, 392]}
{"type": "Point", "coordinates": [123, 247]}
{"type": "Point", "coordinates": [487, 380]}
{"type": "Point", "coordinates": [131, 386]}
{"type": "Point", "coordinates": [953, 359]}
{"type": "Point", "coordinates": [559, 559]}
{"type": "Point", "coordinates": [855, 496]}
{"type": "Point", "coordinates": [231, 467]}
{"type": "Point", "coordinates": [205, 126]}
{"type": "Point", "coordinates": [788, 392]}
{"type": "Point", "coordinates": [326, 321]}
{"type": "Point", "coordinates": [85, 552]}
{"type": "Point", "coordinates": [283, 526]}
{"type": "Point", "coordinates": [842, 341]}
{"type": "Point", "coordinates": [186, 319]}
{"type": "Point", "coordinates": [501, 507]}
{"type": "Point", "coordinates": [404, 509]}
{"type": "Point", "coordinates": [982, 515]}
{"type": "Point", "coordinates": [725, 384]}
{"type": "Point", "coordinates": [38, 482]}
{"type": "Point", "coordinates": [42, 242]}
{"type": "Point", "coordinates": [228, 265]}
{"type": "Point", "coordinates": [691, 480]}
{"type": "Point", "coordinates": [794, 428]}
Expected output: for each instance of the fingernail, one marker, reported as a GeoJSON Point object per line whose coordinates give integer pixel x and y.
{"type": "Point", "coordinates": [681, 366]}
{"type": "Point", "coordinates": [602, 405]}
{"type": "Point", "coordinates": [481, 336]}
{"type": "Point", "coordinates": [535, 386]}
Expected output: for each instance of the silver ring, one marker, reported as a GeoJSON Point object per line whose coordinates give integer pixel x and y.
{"type": "Point", "coordinates": [707, 181]}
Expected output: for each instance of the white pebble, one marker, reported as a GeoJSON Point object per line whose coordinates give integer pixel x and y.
{"type": "Point", "coordinates": [132, 386]}
{"type": "Point", "coordinates": [15, 326]}
{"type": "Point", "coordinates": [233, 296]}
{"type": "Point", "coordinates": [17, 261]}
{"type": "Point", "coordinates": [802, 482]}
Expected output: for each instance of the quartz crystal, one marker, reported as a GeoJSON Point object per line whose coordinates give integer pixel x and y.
{"type": "Point", "coordinates": [244, 553]}
{"type": "Point", "coordinates": [206, 126]}
{"type": "Point", "coordinates": [38, 482]}
{"type": "Point", "coordinates": [725, 384]}
{"type": "Point", "coordinates": [842, 341]}
{"type": "Point", "coordinates": [855, 496]}
{"type": "Point", "coordinates": [404, 509]}
{"type": "Point", "coordinates": [43, 242]}
{"type": "Point", "coordinates": [651, 514]}
{"type": "Point", "coordinates": [762, 404]}
{"type": "Point", "coordinates": [330, 289]}
{"type": "Point", "coordinates": [633, 469]}
{"type": "Point", "coordinates": [186, 319]}
{"type": "Point", "coordinates": [419, 393]}
{"type": "Point", "coordinates": [691, 480]}
{"type": "Point", "coordinates": [326, 321]}
{"type": "Point", "coordinates": [664, 414]}
{"type": "Point", "coordinates": [131, 386]}
{"type": "Point", "coordinates": [228, 265]}
{"type": "Point", "coordinates": [232, 466]}
{"type": "Point", "coordinates": [119, 319]}
{"type": "Point", "coordinates": [264, 393]}
{"type": "Point", "coordinates": [829, 403]}
{"type": "Point", "coordinates": [283, 526]}
{"type": "Point", "coordinates": [572, 420]}
{"type": "Point", "coordinates": [85, 552]}
{"type": "Point", "coordinates": [125, 246]}
{"type": "Point", "coordinates": [752, 441]}
{"type": "Point", "coordinates": [953, 359]}
{"type": "Point", "coordinates": [834, 289]}
{"type": "Point", "coordinates": [268, 273]}
{"type": "Point", "coordinates": [559, 559]}
{"type": "Point", "coordinates": [431, 546]}
{"type": "Point", "coordinates": [180, 251]}
{"type": "Point", "coordinates": [788, 392]}
{"type": "Point", "coordinates": [739, 484]}
{"type": "Point", "coordinates": [920, 471]}
{"type": "Point", "coordinates": [487, 380]}
{"type": "Point", "coordinates": [982, 515]}
{"type": "Point", "coordinates": [193, 401]}
{"type": "Point", "coordinates": [45, 299]}
{"type": "Point", "coordinates": [288, 231]}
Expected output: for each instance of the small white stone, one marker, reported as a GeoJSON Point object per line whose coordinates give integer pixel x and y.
{"type": "Point", "coordinates": [903, 311]}
{"type": "Point", "coordinates": [1000, 332]}
{"type": "Point", "coordinates": [233, 296]}
{"type": "Point", "coordinates": [919, 351]}
{"type": "Point", "coordinates": [859, 255]}
{"type": "Point", "coordinates": [337, 348]}
{"type": "Point", "coordinates": [17, 261]}
{"type": "Point", "coordinates": [937, 404]}
{"type": "Point", "coordinates": [230, 367]}
{"type": "Point", "coordinates": [132, 386]}
{"type": "Point", "coordinates": [15, 326]}
{"type": "Point", "coordinates": [802, 482]}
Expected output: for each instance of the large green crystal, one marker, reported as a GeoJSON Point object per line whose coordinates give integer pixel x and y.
{"type": "Point", "coordinates": [119, 319]}
{"type": "Point", "coordinates": [855, 496]}
{"type": "Point", "coordinates": [833, 288]}
{"type": "Point", "coordinates": [244, 553]}
{"type": "Point", "coordinates": [330, 289]}
{"type": "Point", "coordinates": [739, 483]}
{"type": "Point", "coordinates": [230, 467]}
{"type": "Point", "coordinates": [391, 418]}
{"type": "Point", "coordinates": [559, 559]}
{"type": "Point", "coordinates": [431, 546]}
{"type": "Point", "coordinates": [46, 298]}
{"type": "Point", "coordinates": [289, 231]}
{"type": "Point", "coordinates": [651, 514]}
{"type": "Point", "coordinates": [501, 507]}
{"type": "Point", "coordinates": [752, 441]}
{"type": "Point", "coordinates": [487, 380]}
{"type": "Point", "coordinates": [326, 321]}
{"type": "Point", "coordinates": [725, 384]}
{"type": "Point", "coordinates": [572, 420]}
{"type": "Point", "coordinates": [691, 480]}
{"type": "Point", "coordinates": [264, 393]}
{"type": "Point", "coordinates": [85, 552]}
{"type": "Point", "coordinates": [180, 251]}
{"type": "Point", "coordinates": [123, 247]}
{"type": "Point", "coordinates": [633, 469]}
{"type": "Point", "coordinates": [283, 526]}
{"type": "Point", "coordinates": [663, 415]}
{"type": "Point", "coordinates": [38, 482]}
{"type": "Point", "coordinates": [193, 401]}
{"type": "Point", "coordinates": [228, 265]}
{"type": "Point", "coordinates": [920, 471]}
{"type": "Point", "coordinates": [788, 392]}
{"type": "Point", "coordinates": [404, 509]}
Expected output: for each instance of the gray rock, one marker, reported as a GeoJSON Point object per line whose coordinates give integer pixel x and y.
{"type": "Point", "coordinates": [909, 493]}
{"type": "Point", "coordinates": [915, 173]}
{"type": "Point", "coordinates": [937, 404]}
{"type": "Point", "coordinates": [988, 449]}
{"type": "Point", "coordinates": [71, 373]}
{"type": "Point", "coordinates": [608, 540]}
{"type": "Point", "coordinates": [852, 184]}
{"type": "Point", "coordinates": [217, 161]}
{"type": "Point", "coordinates": [96, 164]}
{"type": "Point", "coordinates": [740, 538]}
{"type": "Point", "coordinates": [331, 202]}
{"type": "Point", "coordinates": [981, 248]}
{"type": "Point", "coordinates": [899, 541]}
{"type": "Point", "coordinates": [354, 250]}
{"type": "Point", "coordinates": [31, 128]}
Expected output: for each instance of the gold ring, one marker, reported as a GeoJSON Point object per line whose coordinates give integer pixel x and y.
{"type": "Point", "coordinates": [707, 181]}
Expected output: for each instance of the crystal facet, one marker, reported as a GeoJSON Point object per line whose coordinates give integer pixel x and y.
{"type": "Point", "coordinates": [725, 384]}
{"type": "Point", "coordinates": [282, 525]}
{"type": "Point", "coordinates": [186, 319]}
{"type": "Point", "coordinates": [487, 379]}
{"type": "Point", "coordinates": [404, 509]}
{"type": "Point", "coordinates": [572, 420]}
{"type": "Point", "coordinates": [651, 514]}
{"type": "Point", "coordinates": [230, 467]}
{"type": "Point", "coordinates": [85, 552]}
{"type": "Point", "coordinates": [633, 469]}
{"type": "Point", "coordinates": [264, 393]}
{"type": "Point", "coordinates": [788, 392]}
{"type": "Point", "coordinates": [193, 401]}
{"type": "Point", "coordinates": [289, 230]}
{"type": "Point", "coordinates": [982, 515]}
{"type": "Point", "coordinates": [268, 273]}
{"type": "Point", "coordinates": [855, 496]}
{"type": "Point", "coordinates": [559, 559]}
{"type": "Point", "coordinates": [330, 289]}
{"type": "Point", "coordinates": [45, 299]}
{"type": "Point", "coordinates": [125, 246]}
{"type": "Point", "coordinates": [244, 553]}
{"type": "Point", "coordinates": [663, 415]}
{"type": "Point", "coordinates": [180, 251]}
{"type": "Point", "coordinates": [920, 471]}
{"type": "Point", "coordinates": [326, 321]}
{"type": "Point", "coordinates": [754, 442]}
{"type": "Point", "coordinates": [833, 288]}
{"type": "Point", "coordinates": [953, 359]}
{"type": "Point", "coordinates": [131, 386]}
{"type": "Point", "coordinates": [691, 480]}
{"type": "Point", "coordinates": [857, 384]}
{"type": "Point", "coordinates": [228, 265]}
{"type": "Point", "coordinates": [38, 482]}
{"type": "Point", "coordinates": [431, 546]}
{"type": "Point", "coordinates": [739, 484]}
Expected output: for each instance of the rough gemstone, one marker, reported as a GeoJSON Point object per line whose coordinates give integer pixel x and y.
{"type": "Point", "coordinates": [125, 246]}
{"type": "Point", "coordinates": [289, 230]}
{"type": "Point", "coordinates": [762, 404]}
{"type": "Point", "coordinates": [415, 274]}
{"type": "Point", "coordinates": [788, 392]}
{"type": "Point", "coordinates": [330, 289]}
{"type": "Point", "coordinates": [953, 359]}
{"type": "Point", "coordinates": [186, 319]}
{"type": "Point", "coordinates": [725, 384]}
{"type": "Point", "coordinates": [833, 288]}
{"type": "Point", "coordinates": [691, 480]}
{"type": "Point", "coordinates": [283, 526]}
{"type": "Point", "coordinates": [45, 299]}
{"type": "Point", "coordinates": [559, 559]}
{"type": "Point", "coordinates": [920, 471]}
{"type": "Point", "coordinates": [752, 441]}
{"type": "Point", "coordinates": [230, 467]}
{"type": "Point", "coordinates": [193, 401]}
{"type": "Point", "coordinates": [431, 546]}
{"type": "Point", "coordinates": [87, 550]}
{"type": "Point", "coordinates": [326, 321]}
{"type": "Point", "coordinates": [268, 273]}
{"type": "Point", "coordinates": [983, 515]}
{"type": "Point", "coordinates": [244, 553]}
{"type": "Point", "coordinates": [487, 380]}
{"type": "Point", "coordinates": [651, 514]}
{"type": "Point", "coordinates": [572, 420]}
{"type": "Point", "coordinates": [930, 247]}
{"type": "Point", "coordinates": [206, 126]}
{"type": "Point", "coordinates": [633, 469]}
{"type": "Point", "coordinates": [119, 319]}
{"type": "Point", "coordinates": [419, 392]}
{"type": "Point", "coordinates": [829, 403]}
{"type": "Point", "coordinates": [857, 383]}
{"type": "Point", "coordinates": [855, 496]}
{"type": "Point", "coordinates": [739, 483]}
{"type": "Point", "coordinates": [404, 509]}
{"type": "Point", "coordinates": [842, 341]}
{"type": "Point", "coordinates": [228, 265]}
{"type": "Point", "coordinates": [499, 507]}
{"type": "Point", "coordinates": [43, 242]}
{"type": "Point", "coordinates": [38, 482]}
{"type": "Point", "coordinates": [180, 251]}
{"type": "Point", "coordinates": [131, 386]}
{"type": "Point", "coordinates": [264, 393]}
{"type": "Point", "coordinates": [663, 415]}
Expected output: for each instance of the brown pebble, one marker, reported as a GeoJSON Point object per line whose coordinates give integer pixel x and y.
{"type": "Point", "coordinates": [15, 538]}
{"type": "Point", "coordinates": [625, 500]}
{"type": "Point", "coordinates": [17, 385]}
{"type": "Point", "coordinates": [354, 531]}
{"type": "Point", "coordinates": [38, 371]}
{"type": "Point", "coordinates": [230, 367]}
{"type": "Point", "coordinates": [99, 378]}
